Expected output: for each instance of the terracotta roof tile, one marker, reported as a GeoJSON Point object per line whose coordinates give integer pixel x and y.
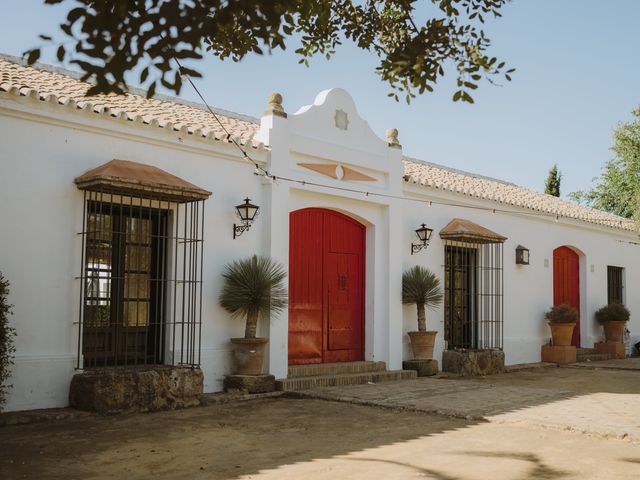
{"type": "Point", "coordinates": [462, 229]}
{"type": "Point", "coordinates": [124, 176]}
{"type": "Point", "coordinates": [63, 87]}
{"type": "Point", "coordinates": [441, 178]}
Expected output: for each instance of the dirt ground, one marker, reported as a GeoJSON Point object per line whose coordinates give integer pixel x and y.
{"type": "Point", "coordinates": [285, 438]}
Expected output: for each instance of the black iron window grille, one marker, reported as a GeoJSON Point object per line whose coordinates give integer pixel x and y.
{"type": "Point", "coordinates": [141, 280]}
{"type": "Point", "coordinates": [473, 294]}
{"type": "Point", "coordinates": [615, 285]}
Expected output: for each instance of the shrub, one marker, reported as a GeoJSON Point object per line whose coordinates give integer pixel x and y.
{"type": "Point", "coordinates": [421, 287]}
{"type": "Point", "coordinates": [7, 332]}
{"type": "Point", "coordinates": [613, 312]}
{"type": "Point", "coordinates": [253, 287]}
{"type": "Point", "coordinates": [562, 314]}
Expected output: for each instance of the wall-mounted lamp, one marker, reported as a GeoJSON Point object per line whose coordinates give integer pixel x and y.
{"type": "Point", "coordinates": [247, 213]}
{"type": "Point", "coordinates": [424, 234]}
{"type": "Point", "coordinates": [522, 255]}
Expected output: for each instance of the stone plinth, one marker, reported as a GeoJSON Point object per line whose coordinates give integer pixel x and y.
{"type": "Point", "coordinates": [140, 389]}
{"type": "Point", "coordinates": [249, 383]}
{"type": "Point", "coordinates": [557, 354]}
{"type": "Point", "coordinates": [473, 362]}
{"type": "Point", "coordinates": [425, 367]}
{"type": "Point", "coordinates": [616, 350]}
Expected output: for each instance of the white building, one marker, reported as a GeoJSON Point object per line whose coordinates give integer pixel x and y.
{"type": "Point", "coordinates": [345, 205]}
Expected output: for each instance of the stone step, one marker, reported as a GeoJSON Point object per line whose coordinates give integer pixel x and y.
{"type": "Point", "coordinates": [592, 357]}
{"type": "Point", "coordinates": [306, 383]}
{"type": "Point", "coordinates": [585, 351]}
{"type": "Point", "coordinates": [297, 371]}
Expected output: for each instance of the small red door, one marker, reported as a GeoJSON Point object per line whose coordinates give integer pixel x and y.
{"type": "Point", "coordinates": [566, 283]}
{"type": "Point", "coordinates": [326, 287]}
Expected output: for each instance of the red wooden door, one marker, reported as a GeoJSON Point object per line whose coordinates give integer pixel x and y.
{"type": "Point", "coordinates": [326, 287]}
{"type": "Point", "coordinates": [566, 283]}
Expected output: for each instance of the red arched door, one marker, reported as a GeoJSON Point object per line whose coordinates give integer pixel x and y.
{"type": "Point", "coordinates": [566, 283]}
{"type": "Point", "coordinates": [326, 287]}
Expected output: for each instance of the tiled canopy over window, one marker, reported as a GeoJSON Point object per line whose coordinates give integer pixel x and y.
{"type": "Point", "coordinates": [141, 285]}
{"type": "Point", "coordinates": [474, 286]}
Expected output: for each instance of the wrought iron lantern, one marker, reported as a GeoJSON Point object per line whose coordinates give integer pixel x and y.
{"type": "Point", "coordinates": [522, 255]}
{"type": "Point", "coordinates": [424, 234]}
{"type": "Point", "coordinates": [247, 213]}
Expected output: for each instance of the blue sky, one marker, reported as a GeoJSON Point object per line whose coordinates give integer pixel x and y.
{"type": "Point", "coordinates": [578, 75]}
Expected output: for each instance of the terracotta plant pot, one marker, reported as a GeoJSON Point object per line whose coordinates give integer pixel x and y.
{"type": "Point", "coordinates": [614, 331]}
{"type": "Point", "coordinates": [561, 333]}
{"type": "Point", "coordinates": [248, 355]}
{"type": "Point", "coordinates": [422, 344]}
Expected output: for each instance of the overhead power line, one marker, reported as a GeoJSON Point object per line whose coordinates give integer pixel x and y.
{"type": "Point", "coordinates": [261, 171]}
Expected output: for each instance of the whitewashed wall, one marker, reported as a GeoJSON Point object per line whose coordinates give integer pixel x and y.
{"type": "Point", "coordinates": [41, 213]}
{"type": "Point", "coordinates": [528, 289]}
{"type": "Point", "coordinates": [44, 147]}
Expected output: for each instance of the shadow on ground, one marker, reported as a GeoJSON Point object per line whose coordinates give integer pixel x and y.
{"type": "Point", "coordinates": [286, 438]}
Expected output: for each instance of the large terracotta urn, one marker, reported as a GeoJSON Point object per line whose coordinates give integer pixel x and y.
{"type": "Point", "coordinates": [422, 344]}
{"type": "Point", "coordinates": [614, 331]}
{"type": "Point", "coordinates": [561, 333]}
{"type": "Point", "coordinates": [248, 355]}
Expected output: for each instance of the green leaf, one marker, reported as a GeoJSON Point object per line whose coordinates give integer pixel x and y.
{"type": "Point", "coordinates": [33, 56]}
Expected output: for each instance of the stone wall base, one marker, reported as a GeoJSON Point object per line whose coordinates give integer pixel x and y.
{"type": "Point", "coordinates": [136, 389]}
{"type": "Point", "coordinates": [424, 367]}
{"type": "Point", "coordinates": [249, 383]}
{"type": "Point", "coordinates": [473, 362]}
{"type": "Point", "coordinates": [616, 350]}
{"type": "Point", "coordinates": [557, 354]}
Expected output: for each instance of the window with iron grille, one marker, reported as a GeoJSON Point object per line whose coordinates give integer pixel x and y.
{"type": "Point", "coordinates": [141, 277]}
{"type": "Point", "coordinates": [614, 285]}
{"type": "Point", "coordinates": [473, 295]}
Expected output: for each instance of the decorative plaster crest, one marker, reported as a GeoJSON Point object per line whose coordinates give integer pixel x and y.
{"type": "Point", "coordinates": [338, 172]}
{"type": "Point", "coordinates": [342, 119]}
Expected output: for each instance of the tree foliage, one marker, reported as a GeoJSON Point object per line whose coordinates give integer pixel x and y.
{"type": "Point", "coordinates": [112, 37]}
{"type": "Point", "coordinates": [7, 334]}
{"type": "Point", "coordinates": [617, 189]}
{"type": "Point", "coordinates": [552, 185]}
{"type": "Point", "coordinates": [253, 287]}
{"type": "Point", "coordinates": [420, 286]}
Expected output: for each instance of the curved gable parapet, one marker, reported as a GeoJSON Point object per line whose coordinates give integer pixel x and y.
{"type": "Point", "coordinates": [333, 117]}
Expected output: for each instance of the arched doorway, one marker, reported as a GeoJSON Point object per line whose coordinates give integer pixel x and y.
{"type": "Point", "coordinates": [326, 287]}
{"type": "Point", "coordinates": [566, 283]}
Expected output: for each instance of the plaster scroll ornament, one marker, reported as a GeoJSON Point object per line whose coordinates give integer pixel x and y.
{"type": "Point", "coordinates": [342, 119]}
{"type": "Point", "coordinates": [274, 106]}
{"type": "Point", "coordinates": [392, 138]}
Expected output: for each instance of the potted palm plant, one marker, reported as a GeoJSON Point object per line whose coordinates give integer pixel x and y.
{"type": "Point", "coordinates": [421, 287]}
{"type": "Point", "coordinates": [253, 288]}
{"type": "Point", "coordinates": [562, 320]}
{"type": "Point", "coordinates": [613, 318]}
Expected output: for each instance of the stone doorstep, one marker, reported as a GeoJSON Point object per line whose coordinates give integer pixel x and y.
{"type": "Point", "coordinates": [425, 367]}
{"type": "Point", "coordinates": [558, 354]}
{"type": "Point", "coordinates": [614, 350]}
{"type": "Point", "coordinates": [473, 362]}
{"type": "Point", "coordinates": [311, 370]}
{"type": "Point", "coordinates": [520, 367]}
{"type": "Point", "coordinates": [114, 390]}
{"type": "Point", "coordinates": [305, 383]}
{"type": "Point", "coordinates": [25, 417]}
{"type": "Point", "coordinates": [249, 383]}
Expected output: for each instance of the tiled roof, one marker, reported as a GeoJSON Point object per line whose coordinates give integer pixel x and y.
{"type": "Point", "coordinates": [125, 176]}
{"type": "Point", "coordinates": [449, 180]}
{"type": "Point", "coordinates": [54, 85]}
{"type": "Point", "coordinates": [62, 87]}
